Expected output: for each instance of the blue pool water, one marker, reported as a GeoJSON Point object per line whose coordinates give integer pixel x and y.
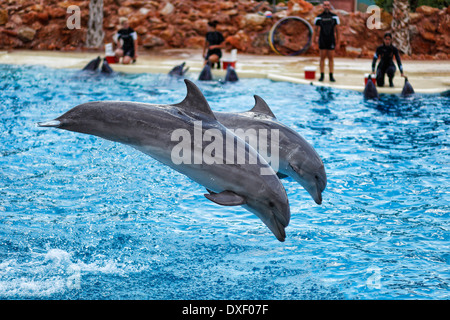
{"type": "Point", "coordinates": [85, 218]}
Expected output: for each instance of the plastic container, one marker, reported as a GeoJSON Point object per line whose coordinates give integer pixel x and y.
{"type": "Point", "coordinates": [111, 59]}
{"type": "Point", "coordinates": [366, 78]}
{"type": "Point", "coordinates": [227, 63]}
{"type": "Point", "coordinates": [109, 53]}
{"type": "Point", "coordinates": [310, 73]}
{"type": "Point", "coordinates": [231, 61]}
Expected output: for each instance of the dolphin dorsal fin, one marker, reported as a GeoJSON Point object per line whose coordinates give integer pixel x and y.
{"type": "Point", "coordinates": [195, 101]}
{"type": "Point", "coordinates": [261, 107]}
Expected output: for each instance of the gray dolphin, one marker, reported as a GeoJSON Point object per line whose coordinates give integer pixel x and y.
{"type": "Point", "coordinates": [231, 75]}
{"type": "Point", "coordinates": [370, 91]}
{"type": "Point", "coordinates": [206, 74]}
{"type": "Point", "coordinates": [407, 89]}
{"type": "Point", "coordinates": [93, 64]}
{"type": "Point", "coordinates": [179, 70]}
{"type": "Point", "coordinates": [150, 129]}
{"type": "Point", "coordinates": [296, 157]}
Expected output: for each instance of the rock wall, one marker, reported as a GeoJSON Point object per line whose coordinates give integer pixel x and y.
{"type": "Point", "coordinates": [41, 25]}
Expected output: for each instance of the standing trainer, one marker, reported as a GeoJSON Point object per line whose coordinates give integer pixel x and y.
{"type": "Point", "coordinates": [328, 23]}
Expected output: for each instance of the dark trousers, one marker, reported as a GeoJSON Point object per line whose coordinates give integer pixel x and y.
{"type": "Point", "coordinates": [389, 70]}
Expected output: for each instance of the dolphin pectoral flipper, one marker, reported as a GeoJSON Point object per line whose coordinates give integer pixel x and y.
{"type": "Point", "coordinates": [225, 198]}
{"type": "Point", "coordinates": [281, 175]}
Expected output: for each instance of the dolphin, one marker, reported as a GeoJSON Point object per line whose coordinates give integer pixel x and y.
{"type": "Point", "coordinates": [179, 70]}
{"type": "Point", "coordinates": [231, 75]}
{"type": "Point", "coordinates": [106, 68]}
{"type": "Point", "coordinates": [297, 158]}
{"type": "Point", "coordinates": [407, 89]}
{"type": "Point", "coordinates": [150, 129]}
{"type": "Point", "coordinates": [206, 74]}
{"type": "Point", "coordinates": [93, 65]}
{"type": "Point", "coordinates": [370, 91]}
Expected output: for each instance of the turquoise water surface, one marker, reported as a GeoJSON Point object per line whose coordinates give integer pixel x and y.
{"type": "Point", "coordinates": [86, 218]}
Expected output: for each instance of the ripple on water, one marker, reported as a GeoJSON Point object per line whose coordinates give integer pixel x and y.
{"type": "Point", "coordinates": [84, 218]}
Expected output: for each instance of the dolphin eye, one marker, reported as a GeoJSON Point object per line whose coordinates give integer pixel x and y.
{"type": "Point", "coordinates": [271, 204]}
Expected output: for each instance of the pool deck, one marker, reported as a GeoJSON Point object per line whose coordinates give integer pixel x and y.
{"type": "Point", "coordinates": [425, 76]}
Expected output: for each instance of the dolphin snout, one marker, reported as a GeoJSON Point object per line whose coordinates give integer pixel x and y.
{"type": "Point", "coordinates": [321, 182]}
{"type": "Point", "coordinates": [280, 221]}
{"type": "Point", "coordinates": [318, 197]}
{"type": "Point", "coordinates": [278, 230]}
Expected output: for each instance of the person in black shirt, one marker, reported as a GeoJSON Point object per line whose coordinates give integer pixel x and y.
{"type": "Point", "coordinates": [214, 43]}
{"type": "Point", "coordinates": [328, 38]}
{"type": "Point", "coordinates": [126, 39]}
{"type": "Point", "coordinates": [386, 52]}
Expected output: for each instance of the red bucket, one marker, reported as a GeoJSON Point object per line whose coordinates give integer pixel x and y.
{"type": "Point", "coordinates": [366, 78]}
{"type": "Point", "coordinates": [111, 59]}
{"type": "Point", "coordinates": [228, 63]}
{"type": "Point", "coordinates": [310, 73]}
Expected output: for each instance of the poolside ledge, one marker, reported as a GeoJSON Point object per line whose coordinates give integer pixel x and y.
{"type": "Point", "coordinates": [425, 76]}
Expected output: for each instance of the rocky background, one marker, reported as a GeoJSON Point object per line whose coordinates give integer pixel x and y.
{"type": "Point", "coordinates": [41, 25]}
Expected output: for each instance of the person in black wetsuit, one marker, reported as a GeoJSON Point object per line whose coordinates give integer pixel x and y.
{"type": "Point", "coordinates": [126, 39]}
{"type": "Point", "coordinates": [214, 43]}
{"type": "Point", "coordinates": [386, 53]}
{"type": "Point", "coordinates": [328, 38]}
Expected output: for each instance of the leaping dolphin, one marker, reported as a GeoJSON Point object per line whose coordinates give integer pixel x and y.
{"type": "Point", "coordinates": [296, 157]}
{"type": "Point", "coordinates": [370, 91]}
{"type": "Point", "coordinates": [179, 70]}
{"type": "Point", "coordinates": [150, 129]}
{"type": "Point", "coordinates": [93, 64]}
{"type": "Point", "coordinates": [407, 89]}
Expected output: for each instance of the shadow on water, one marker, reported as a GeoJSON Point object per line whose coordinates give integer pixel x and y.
{"type": "Point", "coordinates": [326, 95]}
{"type": "Point", "coordinates": [396, 105]}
